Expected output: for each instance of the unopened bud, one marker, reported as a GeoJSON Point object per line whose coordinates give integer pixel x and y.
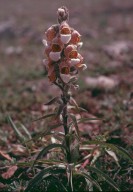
{"type": "Point", "coordinates": [61, 12]}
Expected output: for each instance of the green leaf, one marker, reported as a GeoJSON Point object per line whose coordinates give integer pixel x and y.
{"type": "Point", "coordinates": [72, 101]}
{"type": "Point", "coordinates": [43, 174]}
{"type": "Point", "coordinates": [45, 150]}
{"type": "Point", "coordinates": [18, 133]}
{"type": "Point", "coordinates": [73, 80]}
{"type": "Point", "coordinates": [60, 109]}
{"type": "Point", "coordinates": [55, 99]}
{"type": "Point", "coordinates": [26, 131]}
{"type": "Point", "coordinates": [45, 116]}
{"type": "Point", "coordinates": [117, 149]}
{"type": "Point", "coordinates": [104, 176]}
{"type": "Point", "coordinates": [74, 120]}
{"type": "Point", "coordinates": [45, 132]}
{"type": "Point", "coordinates": [82, 120]}
{"type": "Point", "coordinates": [89, 178]}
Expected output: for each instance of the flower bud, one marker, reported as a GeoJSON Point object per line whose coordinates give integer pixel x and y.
{"type": "Point", "coordinates": [61, 12]}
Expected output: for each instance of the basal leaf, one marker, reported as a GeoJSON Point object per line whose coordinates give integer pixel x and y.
{"type": "Point", "coordinates": [45, 150]}
{"type": "Point", "coordinates": [92, 180]}
{"type": "Point", "coordinates": [115, 148]}
{"type": "Point", "coordinates": [43, 174]}
{"type": "Point", "coordinates": [105, 177]}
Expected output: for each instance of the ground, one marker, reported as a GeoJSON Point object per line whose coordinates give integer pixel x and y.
{"type": "Point", "coordinates": [106, 87]}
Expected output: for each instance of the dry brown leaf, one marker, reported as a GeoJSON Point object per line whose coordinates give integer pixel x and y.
{"type": "Point", "coordinates": [2, 186]}
{"type": "Point", "coordinates": [5, 155]}
{"type": "Point", "coordinates": [19, 150]}
{"type": "Point", "coordinates": [10, 172]}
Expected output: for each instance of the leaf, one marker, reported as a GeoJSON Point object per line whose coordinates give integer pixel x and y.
{"type": "Point", "coordinates": [82, 120]}
{"type": "Point", "coordinates": [26, 131]}
{"type": "Point", "coordinates": [5, 155]}
{"type": "Point", "coordinates": [113, 155]}
{"type": "Point", "coordinates": [73, 80]}
{"type": "Point", "coordinates": [43, 174]}
{"type": "Point", "coordinates": [45, 132]}
{"type": "Point", "coordinates": [10, 172]}
{"type": "Point", "coordinates": [45, 150]}
{"type": "Point", "coordinates": [45, 116]}
{"type": "Point", "coordinates": [115, 148]}
{"type": "Point", "coordinates": [60, 109]}
{"type": "Point", "coordinates": [89, 178]}
{"type": "Point", "coordinates": [75, 124]}
{"type": "Point", "coordinates": [55, 99]}
{"type": "Point", "coordinates": [18, 133]}
{"type": "Point", "coordinates": [70, 175]}
{"type": "Point", "coordinates": [104, 176]}
{"type": "Point", "coordinates": [73, 102]}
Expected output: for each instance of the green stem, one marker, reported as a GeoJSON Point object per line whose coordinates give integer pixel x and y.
{"type": "Point", "coordinates": [66, 129]}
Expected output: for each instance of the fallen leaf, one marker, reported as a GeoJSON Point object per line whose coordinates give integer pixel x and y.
{"type": "Point", "coordinates": [5, 155]}
{"type": "Point", "coordinates": [2, 186]}
{"type": "Point", "coordinates": [10, 172]}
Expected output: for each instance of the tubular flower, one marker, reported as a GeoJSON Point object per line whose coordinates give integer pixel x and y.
{"type": "Point", "coordinates": [61, 48]}
{"type": "Point", "coordinates": [50, 33]}
{"type": "Point", "coordinates": [76, 37]}
{"type": "Point", "coordinates": [64, 68]}
{"type": "Point", "coordinates": [65, 33]}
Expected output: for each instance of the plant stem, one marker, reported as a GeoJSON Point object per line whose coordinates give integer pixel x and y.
{"type": "Point", "coordinates": [66, 129]}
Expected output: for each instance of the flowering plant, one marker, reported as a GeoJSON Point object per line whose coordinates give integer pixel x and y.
{"type": "Point", "coordinates": [61, 48]}
{"type": "Point", "coordinates": [72, 159]}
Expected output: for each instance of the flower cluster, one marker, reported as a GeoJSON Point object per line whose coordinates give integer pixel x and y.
{"type": "Point", "coordinates": [61, 48]}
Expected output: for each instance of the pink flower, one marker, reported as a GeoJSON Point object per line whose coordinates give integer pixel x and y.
{"type": "Point", "coordinates": [64, 67]}
{"type": "Point", "coordinates": [70, 51]}
{"type": "Point", "coordinates": [65, 33]}
{"type": "Point", "coordinates": [76, 37]}
{"type": "Point", "coordinates": [55, 52]}
{"type": "Point", "coordinates": [51, 73]}
{"type": "Point", "coordinates": [50, 33]}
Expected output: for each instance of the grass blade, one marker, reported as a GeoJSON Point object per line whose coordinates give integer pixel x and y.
{"type": "Point", "coordinates": [18, 133]}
